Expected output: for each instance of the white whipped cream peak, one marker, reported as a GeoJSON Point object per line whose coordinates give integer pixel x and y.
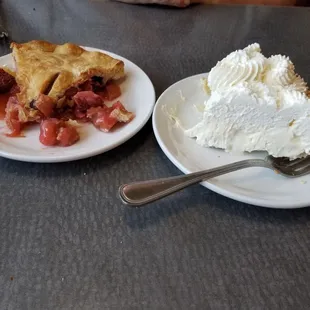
{"type": "Point", "coordinates": [280, 72]}
{"type": "Point", "coordinates": [293, 97]}
{"type": "Point", "coordinates": [240, 66]}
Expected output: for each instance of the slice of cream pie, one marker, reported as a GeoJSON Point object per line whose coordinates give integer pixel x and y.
{"type": "Point", "coordinates": [255, 103]}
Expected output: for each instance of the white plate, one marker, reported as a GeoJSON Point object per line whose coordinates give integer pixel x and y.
{"type": "Point", "coordinates": [257, 186]}
{"type": "Point", "coordinates": [138, 96]}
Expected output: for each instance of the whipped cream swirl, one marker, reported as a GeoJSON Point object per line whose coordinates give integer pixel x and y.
{"type": "Point", "coordinates": [280, 72]}
{"type": "Point", "coordinates": [238, 67]}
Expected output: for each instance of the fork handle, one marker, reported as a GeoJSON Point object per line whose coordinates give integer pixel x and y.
{"type": "Point", "coordinates": [141, 193]}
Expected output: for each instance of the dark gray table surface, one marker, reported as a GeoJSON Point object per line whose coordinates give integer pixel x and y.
{"type": "Point", "coordinates": [67, 242]}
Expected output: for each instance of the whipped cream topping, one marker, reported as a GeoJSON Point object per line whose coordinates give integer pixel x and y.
{"type": "Point", "coordinates": [255, 103]}
{"type": "Point", "coordinates": [241, 66]}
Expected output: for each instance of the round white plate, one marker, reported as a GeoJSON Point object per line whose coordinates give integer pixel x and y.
{"type": "Point", "coordinates": [257, 186]}
{"type": "Point", "coordinates": [138, 96]}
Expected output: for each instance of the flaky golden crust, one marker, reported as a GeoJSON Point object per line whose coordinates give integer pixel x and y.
{"type": "Point", "coordinates": [51, 69]}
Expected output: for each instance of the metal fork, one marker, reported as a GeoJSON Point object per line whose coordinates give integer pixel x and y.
{"type": "Point", "coordinates": [141, 193]}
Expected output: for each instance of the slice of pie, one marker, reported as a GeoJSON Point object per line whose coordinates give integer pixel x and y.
{"type": "Point", "coordinates": [255, 103]}
{"type": "Point", "coordinates": [64, 82]}
{"type": "Point", "coordinates": [48, 69]}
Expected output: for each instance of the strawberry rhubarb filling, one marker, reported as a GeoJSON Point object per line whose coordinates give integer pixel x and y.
{"type": "Point", "coordinates": [85, 103]}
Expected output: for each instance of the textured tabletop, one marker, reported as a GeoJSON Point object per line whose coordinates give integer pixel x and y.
{"type": "Point", "coordinates": [67, 242]}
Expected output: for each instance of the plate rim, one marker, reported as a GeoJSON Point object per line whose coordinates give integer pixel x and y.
{"type": "Point", "coordinates": [79, 156]}
{"type": "Point", "coordinates": [267, 203]}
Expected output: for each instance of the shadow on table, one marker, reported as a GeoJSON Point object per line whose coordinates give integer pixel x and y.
{"type": "Point", "coordinates": [199, 202]}
{"type": "Point", "coordinates": [163, 210]}
{"type": "Point", "coordinates": [262, 214]}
